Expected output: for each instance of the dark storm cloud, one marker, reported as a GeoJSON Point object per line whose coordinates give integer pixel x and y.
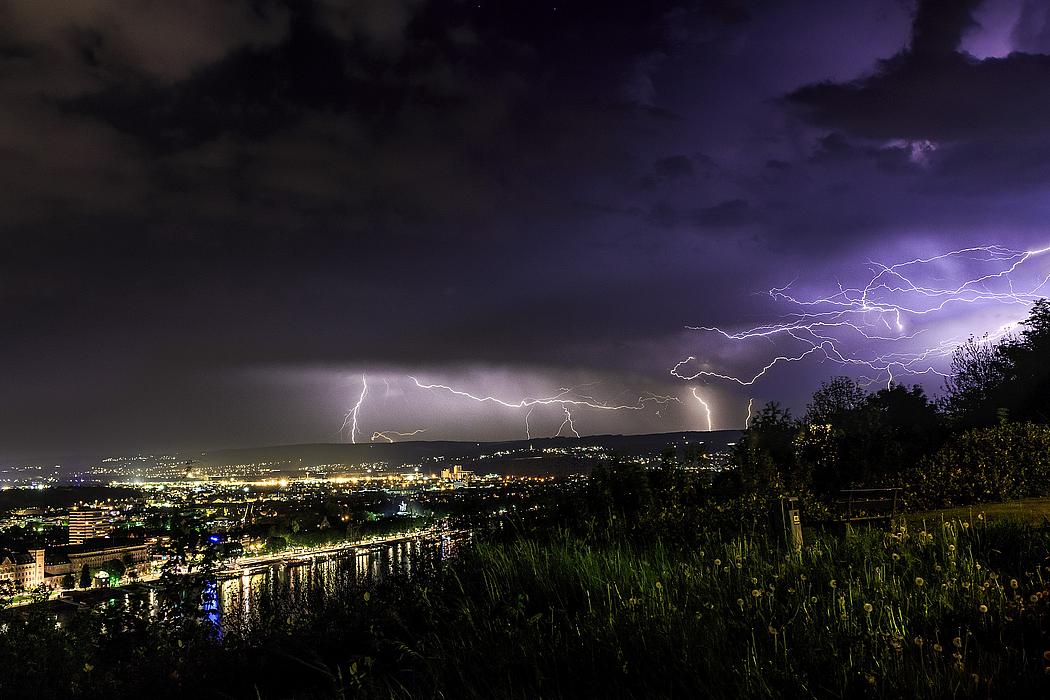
{"type": "Point", "coordinates": [192, 190]}
{"type": "Point", "coordinates": [933, 91]}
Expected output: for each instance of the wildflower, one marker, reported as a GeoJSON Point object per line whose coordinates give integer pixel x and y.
{"type": "Point", "coordinates": [992, 575]}
{"type": "Point", "coordinates": [659, 586]}
{"type": "Point", "coordinates": [773, 630]}
{"type": "Point", "coordinates": [920, 581]}
{"type": "Point", "coordinates": [918, 641]}
{"type": "Point", "coordinates": [740, 602]}
{"type": "Point", "coordinates": [813, 599]}
{"type": "Point", "coordinates": [965, 584]}
{"type": "Point", "coordinates": [957, 642]}
{"type": "Point", "coordinates": [1046, 655]}
{"type": "Point", "coordinates": [938, 648]}
{"type": "Point", "coordinates": [834, 583]}
{"type": "Point", "coordinates": [1033, 598]}
{"type": "Point", "coordinates": [791, 589]}
{"type": "Point", "coordinates": [868, 608]}
{"type": "Point", "coordinates": [1014, 584]}
{"type": "Point", "coordinates": [951, 548]}
{"type": "Point", "coordinates": [870, 678]}
{"type": "Point", "coordinates": [802, 577]}
{"type": "Point", "coordinates": [975, 678]}
{"type": "Point", "coordinates": [754, 580]}
{"type": "Point", "coordinates": [755, 593]}
{"type": "Point", "coordinates": [896, 556]}
{"type": "Point", "coordinates": [980, 516]}
{"type": "Point", "coordinates": [718, 562]}
{"type": "Point", "coordinates": [982, 608]}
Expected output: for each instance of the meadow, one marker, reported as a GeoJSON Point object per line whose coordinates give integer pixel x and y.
{"type": "Point", "coordinates": [955, 608]}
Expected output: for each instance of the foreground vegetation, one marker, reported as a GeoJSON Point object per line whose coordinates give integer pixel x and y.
{"type": "Point", "coordinates": [957, 608]}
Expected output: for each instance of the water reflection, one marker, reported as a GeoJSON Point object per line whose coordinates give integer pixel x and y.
{"type": "Point", "coordinates": [302, 581]}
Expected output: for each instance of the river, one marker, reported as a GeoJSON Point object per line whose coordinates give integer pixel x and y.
{"type": "Point", "coordinates": [300, 580]}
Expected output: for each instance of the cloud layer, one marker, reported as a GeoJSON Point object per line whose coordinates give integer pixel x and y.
{"type": "Point", "coordinates": [194, 193]}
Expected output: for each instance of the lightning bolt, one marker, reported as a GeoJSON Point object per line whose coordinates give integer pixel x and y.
{"type": "Point", "coordinates": [750, 405]}
{"type": "Point", "coordinates": [566, 398]}
{"type": "Point", "coordinates": [707, 408]}
{"type": "Point", "coordinates": [385, 434]}
{"type": "Point", "coordinates": [568, 422]}
{"type": "Point", "coordinates": [350, 421]}
{"type": "Point", "coordinates": [879, 313]}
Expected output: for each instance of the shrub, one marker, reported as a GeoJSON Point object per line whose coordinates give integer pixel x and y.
{"type": "Point", "coordinates": [1000, 463]}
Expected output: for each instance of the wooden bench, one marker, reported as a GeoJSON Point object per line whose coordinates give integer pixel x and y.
{"type": "Point", "coordinates": [869, 505]}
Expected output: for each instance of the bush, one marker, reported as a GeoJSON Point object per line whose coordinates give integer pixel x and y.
{"type": "Point", "coordinates": [1000, 463]}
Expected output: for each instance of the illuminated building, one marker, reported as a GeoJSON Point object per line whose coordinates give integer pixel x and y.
{"type": "Point", "coordinates": [94, 555]}
{"type": "Point", "coordinates": [84, 525]}
{"type": "Point", "coordinates": [25, 570]}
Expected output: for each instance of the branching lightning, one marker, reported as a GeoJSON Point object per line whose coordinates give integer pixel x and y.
{"type": "Point", "coordinates": [566, 398]}
{"type": "Point", "coordinates": [707, 408]}
{"type": "Point", "coordinates": [881, 312]}
{"type": "Point", "coordinates": [567, 422]}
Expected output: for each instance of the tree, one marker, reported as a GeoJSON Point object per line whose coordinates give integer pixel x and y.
{"type": "Point", "coordinates": [841, 436]}
{"type": "Point", "coordinates": [765, 454]}
{"type": "Point", "coordinates": [1027, 364]}
{"type": "Point", "coordinates": [1008, 379]}
{"type": "Point", "coordinates": [115, 568]}
{"type": "Point", "coordinates": [978, 371]}
{"type": "Point", "coordinates": [836, 399]}
{"type": "Point", "coordinates": [7, 591]}
{"type": "Point", "coordinates": [85, 577]}
{"type": "Point", "coordinates": [68, 581]}
{"type": "Point", "coordinates": [855, 438]}
{"type": "Point", "coordinates": [906, 426]}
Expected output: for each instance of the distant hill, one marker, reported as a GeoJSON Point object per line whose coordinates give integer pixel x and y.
{"type": "Point", "coordinates": [539, 455]}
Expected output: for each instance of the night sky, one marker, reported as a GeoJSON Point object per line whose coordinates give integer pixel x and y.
{"type": "Point", "coordinates": [217, 215]}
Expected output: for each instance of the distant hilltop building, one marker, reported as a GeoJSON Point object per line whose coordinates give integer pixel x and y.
{"type": "Point", "coordinates": [24, 569]}
{"type": "Point", "coordinates": [85, 525]}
